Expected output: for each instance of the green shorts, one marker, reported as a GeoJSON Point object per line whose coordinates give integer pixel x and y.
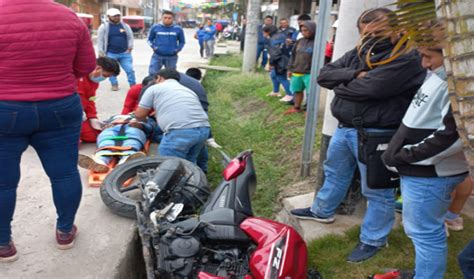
{"type": "Point", "coordinates": [299, 83]}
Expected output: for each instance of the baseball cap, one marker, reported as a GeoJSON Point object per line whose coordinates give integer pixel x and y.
{"type": "Point", "coordinates": [113, 12]}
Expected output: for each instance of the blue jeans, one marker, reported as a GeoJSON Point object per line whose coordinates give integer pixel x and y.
{"type": "Point", "coordinates": [184, 143]}
{"type": "Point", "coordinates": [466, 261]}
{"type": "Point", "coordinates": [261, 50]}
{"type": "Point", "coordinates": [52, 128]}
{"type": "Point", "coordinates": [157, 62]}
{"type": "Point", "coordinates": [339, 168]}
{"type": "Point", "coordinates": [278, 79]}
{"type": "Point", "coordinates": [126, 61]}
{"type": "Point", "coordinates": [136, 140]}
{"type": "Point", "coordinates": [203, 159]}
{"type": "Point", "coordinates": [425, 203]}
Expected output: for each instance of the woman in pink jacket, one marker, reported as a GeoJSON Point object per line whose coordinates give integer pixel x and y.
{"type": "Point", "coordinates": [44, 47]}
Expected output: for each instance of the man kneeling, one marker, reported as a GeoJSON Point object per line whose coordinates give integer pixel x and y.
{"type": "Point", "coordinates": [123, 137]}
{"type": "Point", "coordinates": [180, 116]}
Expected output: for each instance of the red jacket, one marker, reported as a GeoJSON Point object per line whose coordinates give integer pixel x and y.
{"type": "Point", "coordinates": [44, 47]}
{"type": "Point", "coordinates": [131, 101]}
{"type": "Point", "coordinates": [87, 89]}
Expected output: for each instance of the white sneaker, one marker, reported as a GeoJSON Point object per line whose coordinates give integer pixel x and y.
{"type": "Point", "coordinates": [273, 94]}
{"type": "Point", "coordinates": [455, 225]}
{"type": "Point", "coordinates": [92, 163]}
{"type": "Point", "coordinates": [287, 98]}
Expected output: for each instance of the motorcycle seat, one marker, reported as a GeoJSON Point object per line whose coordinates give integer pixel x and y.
{"type": "Point", "coordinates": [225, 225]}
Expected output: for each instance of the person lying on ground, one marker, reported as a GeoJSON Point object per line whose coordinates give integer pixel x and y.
{"type": "Point", "coordinates": [87, 87]}
{"type": "Point", "coordinates": [123, 137]}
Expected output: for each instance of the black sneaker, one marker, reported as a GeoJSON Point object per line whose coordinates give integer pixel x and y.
{"type": "Point", "coordinates": [362, 252]}
{"type": "Point", "coordinates": [306, 214]}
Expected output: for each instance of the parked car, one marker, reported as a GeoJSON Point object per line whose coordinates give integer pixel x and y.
{"type": "Point", "coordinates": [139, 24]}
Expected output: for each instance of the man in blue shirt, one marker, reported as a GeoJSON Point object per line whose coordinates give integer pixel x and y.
{"type": "Point", "coordinates": [166, 40]}
{"type": "Point", "coordinates": [200, 33]}
{"type": "Point", "coordinates": [263, 43]}
{"type": "Point", "coordinates": [115, 40]}
{"type": "Point", "coordinates": [209, 38]}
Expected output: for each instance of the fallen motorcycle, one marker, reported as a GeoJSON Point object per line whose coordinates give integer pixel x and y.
{"type": "Point", "coordinates": [139, 180]}
{"type": "Point", "coordinates": [225, 240]}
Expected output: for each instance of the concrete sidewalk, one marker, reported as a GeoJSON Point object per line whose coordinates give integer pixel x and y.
{"type": "Point", "coordinates": [104, 238]}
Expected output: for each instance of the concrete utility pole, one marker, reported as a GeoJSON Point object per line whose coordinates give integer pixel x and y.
{"type": "Point", "coordinates": [347, 36]}
{"type": "Point", "coordinates": [251, 36]}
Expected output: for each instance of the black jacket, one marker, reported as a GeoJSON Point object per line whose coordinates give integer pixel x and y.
{"type": "Point", "coordinates": [382, 96]}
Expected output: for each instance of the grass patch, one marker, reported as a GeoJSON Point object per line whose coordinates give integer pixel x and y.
{"type": "Point", "coordinates": [243, 117]}
{"type": "Point", "coordinates": [328, 254]}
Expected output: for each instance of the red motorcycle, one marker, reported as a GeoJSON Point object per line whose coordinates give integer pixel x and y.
{"type": "Point", "coordinates": [225, 240]}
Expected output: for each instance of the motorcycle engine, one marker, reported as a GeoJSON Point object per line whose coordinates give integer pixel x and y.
{"type": "Point", "coordinates": [184, 256]}
{"type": "Point", "coordinates": [177, 255]}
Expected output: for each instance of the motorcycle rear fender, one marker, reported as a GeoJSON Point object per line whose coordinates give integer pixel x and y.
{"type": "Point", "coordinates": [235, 194]}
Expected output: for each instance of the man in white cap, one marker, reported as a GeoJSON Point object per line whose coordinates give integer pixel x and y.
{"type": "Point", "coordinates": [115, 40]}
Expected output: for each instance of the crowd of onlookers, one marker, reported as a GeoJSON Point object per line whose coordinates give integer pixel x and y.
{"type": "Point", "coordinates": [395, 125]}
{"type": "Point", "coordinates": [393, 118]}
{"type": "Point", "coordinates": [286, 52]}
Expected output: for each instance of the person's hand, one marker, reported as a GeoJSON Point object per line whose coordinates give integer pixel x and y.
{"type": "Point", "coordinates": [96, 124]}
{"type": "Point", "coordinates": [361, 74]}
{"type": "Point", "coordinates": [289, 74]}
{"type": "Point", "coordinates": [212, 143]}
{"type": "Point", "coordinates": [135, 124]}
{"type": "Point", "coordinates": [289, 41]}
{"type": "Point", "coordinates": [129, 50]}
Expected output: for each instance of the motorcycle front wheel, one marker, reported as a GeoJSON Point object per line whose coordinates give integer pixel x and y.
{"type": "Point", "coordinates": [120, 190]}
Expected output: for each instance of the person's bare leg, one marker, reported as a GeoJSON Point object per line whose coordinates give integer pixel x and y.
{"type": "Point", "coordinates": [460, 195]}
{"type": "Point", "coordinates": [298, 99]}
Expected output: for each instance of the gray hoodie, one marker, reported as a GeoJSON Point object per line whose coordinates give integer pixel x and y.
{"type": "Point", "coordinates": [302, 53]}
{"type": "Point", "coordinates": [103, 37]}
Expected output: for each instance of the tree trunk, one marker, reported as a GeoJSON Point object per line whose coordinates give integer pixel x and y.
{"type": "Point", "coordinates": [251, 36]}
{"type": "Point", "coordinates": [459, 63]}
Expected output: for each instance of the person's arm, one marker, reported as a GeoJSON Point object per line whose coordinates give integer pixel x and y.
{"type": "Point", "coordinates": [151, 36]}
{"type": "Point", "coordinates": [383, 82]}
{"type": "Point", "coordinates": [129, 36]}
{"type": "Point", "coordinates": [84, 61]}
{"type": "Point", "coordinates": [145, 105]}
{"type": "Point", "coordinates": [141, 113]}
{"type": "Point", "coordinates": [131, 101]}
{"type": "Point", "coordinates": [443, 143]}
{"type": "Point", "coordinates": [101, 48]}
{"type": "Point", "coordinates": [213, 31]}
{"type": "Point", "coordinates": [292, 59]}
{"type": "Point", "coordinates": [337, 72]}
{"type": "Point", "coordinates": [181, 40]}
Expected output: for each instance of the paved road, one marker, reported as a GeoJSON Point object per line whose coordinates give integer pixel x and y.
{"type": "Point", "coordinates": [102, 236]}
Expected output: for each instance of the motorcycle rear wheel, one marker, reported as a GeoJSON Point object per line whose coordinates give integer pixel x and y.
{"type": "Point", "coordinates": [112, 190]}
